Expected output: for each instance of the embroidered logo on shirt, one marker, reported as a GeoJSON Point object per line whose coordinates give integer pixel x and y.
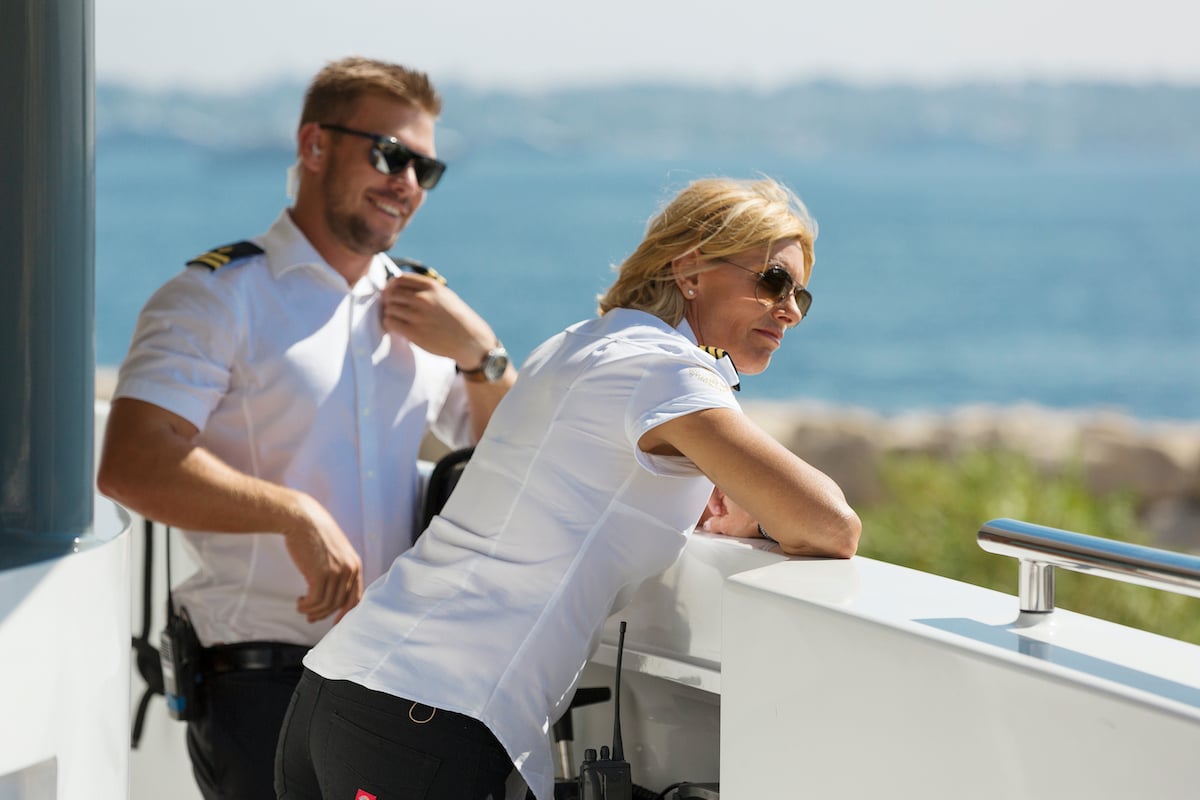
{"type": "Point", "coordinates": [363, 794]}
{"type": "Point", "coordinates": [226, 254]}
{"type": "Point", "coordinates": [707, 378]}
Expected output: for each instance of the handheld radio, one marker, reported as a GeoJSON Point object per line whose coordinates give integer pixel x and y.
{"type": "Point", "coordinates": [608, 777]}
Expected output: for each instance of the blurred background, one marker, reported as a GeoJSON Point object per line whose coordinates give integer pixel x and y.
{"type": "Point", "coordinates": [1007, 313]}
{"type": "Point", "coordinates": [1006, 193]}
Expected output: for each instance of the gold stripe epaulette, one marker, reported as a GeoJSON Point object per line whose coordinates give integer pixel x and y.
{"type": "Point", "coordinates": [226, 254]}
{"type": "Point", "coordinates": [725, 365]}
{"type": "Point", "coordinates": [412, 265]}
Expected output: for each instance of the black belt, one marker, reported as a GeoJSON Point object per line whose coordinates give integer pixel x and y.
{"type": "Point", "coordinates": [250, 656]}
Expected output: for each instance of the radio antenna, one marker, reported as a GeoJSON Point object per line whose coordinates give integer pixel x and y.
{"type": "Point", "coordinates": [618, 751]}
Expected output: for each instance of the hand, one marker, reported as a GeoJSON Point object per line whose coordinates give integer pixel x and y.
{"type": "Point", "coordinates": [726, 517]}
{"type": "Point", "coordinates": [328, 562]}
{"type": "Point", "coordinates": [434, 318]}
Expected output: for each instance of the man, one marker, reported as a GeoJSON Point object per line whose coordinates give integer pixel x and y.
{"type": "Point", "coordinates": [274, 398]}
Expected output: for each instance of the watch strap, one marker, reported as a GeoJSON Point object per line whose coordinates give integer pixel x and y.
{"type": "Point", "coordinates": [490, 358]}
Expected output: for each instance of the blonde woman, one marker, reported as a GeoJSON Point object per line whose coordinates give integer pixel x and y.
{"type": "Point", "coordinates": [589, 478]}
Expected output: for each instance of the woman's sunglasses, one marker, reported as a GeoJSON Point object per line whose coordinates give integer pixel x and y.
{"type": "Point", "coordinates": [390, 157]}
{"type": "Point", "coordinates": [774, 285]}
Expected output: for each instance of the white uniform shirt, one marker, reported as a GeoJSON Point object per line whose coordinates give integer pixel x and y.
{"type": "Point", "coordinates": [495, 610]}
{"type": "Point", "coordinates": [290, 377]}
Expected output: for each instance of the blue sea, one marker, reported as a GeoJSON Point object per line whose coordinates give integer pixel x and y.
{"type": "Point", "coordinates": [942, 279]}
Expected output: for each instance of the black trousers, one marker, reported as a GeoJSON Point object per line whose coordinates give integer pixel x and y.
{"type": "Point", "coordinates": [233, 746]}
{"type": "Point", "coordinates": [341, 741]}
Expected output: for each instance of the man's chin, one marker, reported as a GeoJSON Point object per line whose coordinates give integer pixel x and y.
{"type": "Point", "coordinates": [365, 241]}
{"type": "Point", "coordinates": [373, 245]}
{"type": "Point", "coordinates": [387, 243]}
{"type": "Point", "coordinates": [389, 239]}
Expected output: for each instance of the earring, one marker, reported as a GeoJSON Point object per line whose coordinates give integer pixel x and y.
{"type": "Point", "coordinates": [691, 292]}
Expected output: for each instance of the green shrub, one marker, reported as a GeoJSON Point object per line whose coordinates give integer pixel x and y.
{"type": "Point", "coordinates": [936, 507]}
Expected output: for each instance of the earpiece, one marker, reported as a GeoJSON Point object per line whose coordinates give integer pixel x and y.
{"type": "Point", "coordinates": [316, 149]}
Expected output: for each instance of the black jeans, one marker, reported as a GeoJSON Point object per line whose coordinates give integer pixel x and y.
{"type": "Point", "coordinates": [233, 746]}
{"type": "Point", "coordinates": [341, 741]}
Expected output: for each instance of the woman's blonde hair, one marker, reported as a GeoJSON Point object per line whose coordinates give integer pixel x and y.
{"type": "Point", "coordinates": [714, 218]}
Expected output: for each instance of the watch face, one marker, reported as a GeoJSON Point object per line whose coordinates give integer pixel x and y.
{"type": "Point", "coordinates": [495, 364]}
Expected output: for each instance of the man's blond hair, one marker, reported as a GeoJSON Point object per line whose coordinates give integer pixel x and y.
{"type": "Point", "coordinates": [333, 95]}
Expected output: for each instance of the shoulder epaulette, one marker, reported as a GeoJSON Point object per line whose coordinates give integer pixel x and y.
{"type": "Point", "coordinates": [724, 363]}
{"type": "Point", "coordinates": [412, 265]}
{"type": "Point", "coordinates": [226, 254]}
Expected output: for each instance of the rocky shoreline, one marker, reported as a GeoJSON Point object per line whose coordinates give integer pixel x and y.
{"type": "Point", "coordinates": [1159, 462]}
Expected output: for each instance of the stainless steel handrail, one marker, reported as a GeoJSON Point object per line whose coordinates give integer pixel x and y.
{"type": "Point", "coordinates": [1040, 549]}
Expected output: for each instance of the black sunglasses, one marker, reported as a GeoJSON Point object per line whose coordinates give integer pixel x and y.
{"type": "Point", "coordinates": [391, 157]}
{"type": "Point", "coordinates": [774, 285]}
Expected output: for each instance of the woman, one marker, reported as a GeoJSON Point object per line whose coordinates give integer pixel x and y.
{"type": "Point", "coordinates": [589, 477]}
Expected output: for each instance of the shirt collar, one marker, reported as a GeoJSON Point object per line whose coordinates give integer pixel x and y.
{"type": "Point", "coordinates": [288, 249]}
{"type": "Point", "coordinates": [712, 356]}
{"type": "Point", "coordinates": [721, 359]}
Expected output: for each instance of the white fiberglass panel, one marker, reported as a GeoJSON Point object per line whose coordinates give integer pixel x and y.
{"type": "Point", "coordinates": [861, 679]}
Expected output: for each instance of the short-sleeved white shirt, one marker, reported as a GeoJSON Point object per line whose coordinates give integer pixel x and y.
{"type": "Point", "coordinates": [495, 610]}
{"type": "Point", "coordinates": [289, 376]}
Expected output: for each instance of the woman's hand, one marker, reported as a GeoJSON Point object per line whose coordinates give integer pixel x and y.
{"type": "Point", "coordinates": [723, 516]}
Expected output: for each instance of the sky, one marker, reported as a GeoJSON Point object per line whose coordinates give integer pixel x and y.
{"type": "Point", "coordinates": [227, 45]}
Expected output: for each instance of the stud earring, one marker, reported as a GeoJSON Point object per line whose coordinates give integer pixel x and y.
{"type": "Point", "coordinates": [691, 292]}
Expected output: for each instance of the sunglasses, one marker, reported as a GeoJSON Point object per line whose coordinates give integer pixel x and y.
{"type": "Point", "coordinates": [774, 286]}
{"type": "Point", "coordinates": [390, 157]}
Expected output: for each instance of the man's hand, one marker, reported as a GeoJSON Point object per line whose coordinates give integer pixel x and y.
{"type": "Point", "coordinates": [435, 319]}
{"type": "Point", "coordinates": [324, 556]}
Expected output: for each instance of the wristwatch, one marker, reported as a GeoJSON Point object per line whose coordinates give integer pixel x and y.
{"type": "Point", "coordinates": [492, 369]}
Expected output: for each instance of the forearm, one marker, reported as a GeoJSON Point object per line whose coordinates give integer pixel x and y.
{"type": "Point", "coordinates": [482, 399]}
{"type": "Point", "coordinates": [151, 465]}
{"type": "Point", "coordinates": [801, 507]}
{"type": "Point", "coordinates": [200, 492]}
{"type": "Point", "coordinates": [837, 538]}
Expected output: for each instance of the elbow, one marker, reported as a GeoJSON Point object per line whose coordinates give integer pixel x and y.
{"type": "Point", "coordinates": [836, 537]}
{"type": "Point", "coordinates": [845, 534]}
{"type": "Point", "coordinates": [109, 483]}
{"type": "Point", "coordinates": [117, 485]}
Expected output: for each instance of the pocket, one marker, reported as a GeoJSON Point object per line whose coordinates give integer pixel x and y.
{"type": "Point", "coordinates": [282, 750]}
{"type": "Point", "coordinates": [360, 759]}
